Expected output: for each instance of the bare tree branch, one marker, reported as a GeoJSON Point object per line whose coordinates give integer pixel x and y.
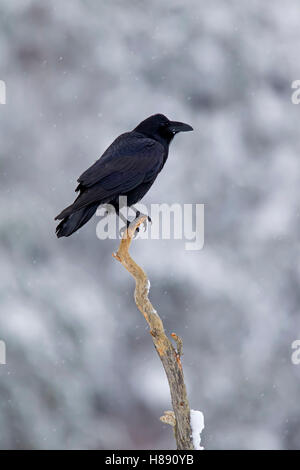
{"type": "Point", "coordinates": [169, 357]}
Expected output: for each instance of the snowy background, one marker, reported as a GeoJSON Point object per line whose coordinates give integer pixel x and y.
{"type": "Point", "coordinates": [81, 369]}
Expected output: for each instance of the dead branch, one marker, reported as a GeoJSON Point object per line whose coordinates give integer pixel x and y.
{"type": "Point", "coordinates": [169, 357]}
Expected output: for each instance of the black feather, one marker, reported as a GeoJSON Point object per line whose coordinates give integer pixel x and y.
{"type": "Point", "coordinates": [128, 167]}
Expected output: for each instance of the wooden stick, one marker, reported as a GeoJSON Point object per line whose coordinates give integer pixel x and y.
{"type": "Point", "coordinates": [169, 357]}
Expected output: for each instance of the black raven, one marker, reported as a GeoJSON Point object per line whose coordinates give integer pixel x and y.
{"type": "Point", "coordinates": [128, 168]}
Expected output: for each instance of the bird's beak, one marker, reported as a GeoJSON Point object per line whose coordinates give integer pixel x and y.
{"type": "Point", "coordinates": [176, 126]}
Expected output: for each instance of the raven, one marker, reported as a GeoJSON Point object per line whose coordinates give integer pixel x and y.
{"type": "Point", "coordinates": [128, 168]}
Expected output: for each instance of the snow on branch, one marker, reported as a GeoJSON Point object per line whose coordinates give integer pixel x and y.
{"type": "Point", "coordinates": [197, 425]}
{"type": "Point", "coordinates": [180, 418]}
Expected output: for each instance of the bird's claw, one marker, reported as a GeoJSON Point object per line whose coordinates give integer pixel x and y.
{"type": "Point", "coordinates": [137, 230]}
{"type": "Point", "coordinates": [138, 214]}
{"type": "Point", "coordinates": [145, 222]}
{"type": "Point", "coordinates": [123, 230]}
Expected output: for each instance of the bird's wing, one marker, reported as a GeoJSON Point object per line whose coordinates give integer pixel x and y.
{"type": "Point", "coordinates": [130, 160]}
{"type": "Point", "coordinates": [130, 151]}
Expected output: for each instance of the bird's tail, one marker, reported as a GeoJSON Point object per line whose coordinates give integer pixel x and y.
{"type": "Point", "coordinates": [74, 221]}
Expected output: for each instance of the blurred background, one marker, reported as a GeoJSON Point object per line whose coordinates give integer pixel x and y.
{"type": "Point", "coordinates": [81, 369]}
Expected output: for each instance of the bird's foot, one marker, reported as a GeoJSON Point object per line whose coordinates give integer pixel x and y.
{"type": "Point", "coordinates": [126, 227]}
{"type": "Point", "coordinates": [140, 214]}
{"type": "Point", "coordinates": [145, 222]}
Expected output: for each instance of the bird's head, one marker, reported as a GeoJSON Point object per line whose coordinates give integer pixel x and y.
{"type": "Point", "coordinates": [160, 128]}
